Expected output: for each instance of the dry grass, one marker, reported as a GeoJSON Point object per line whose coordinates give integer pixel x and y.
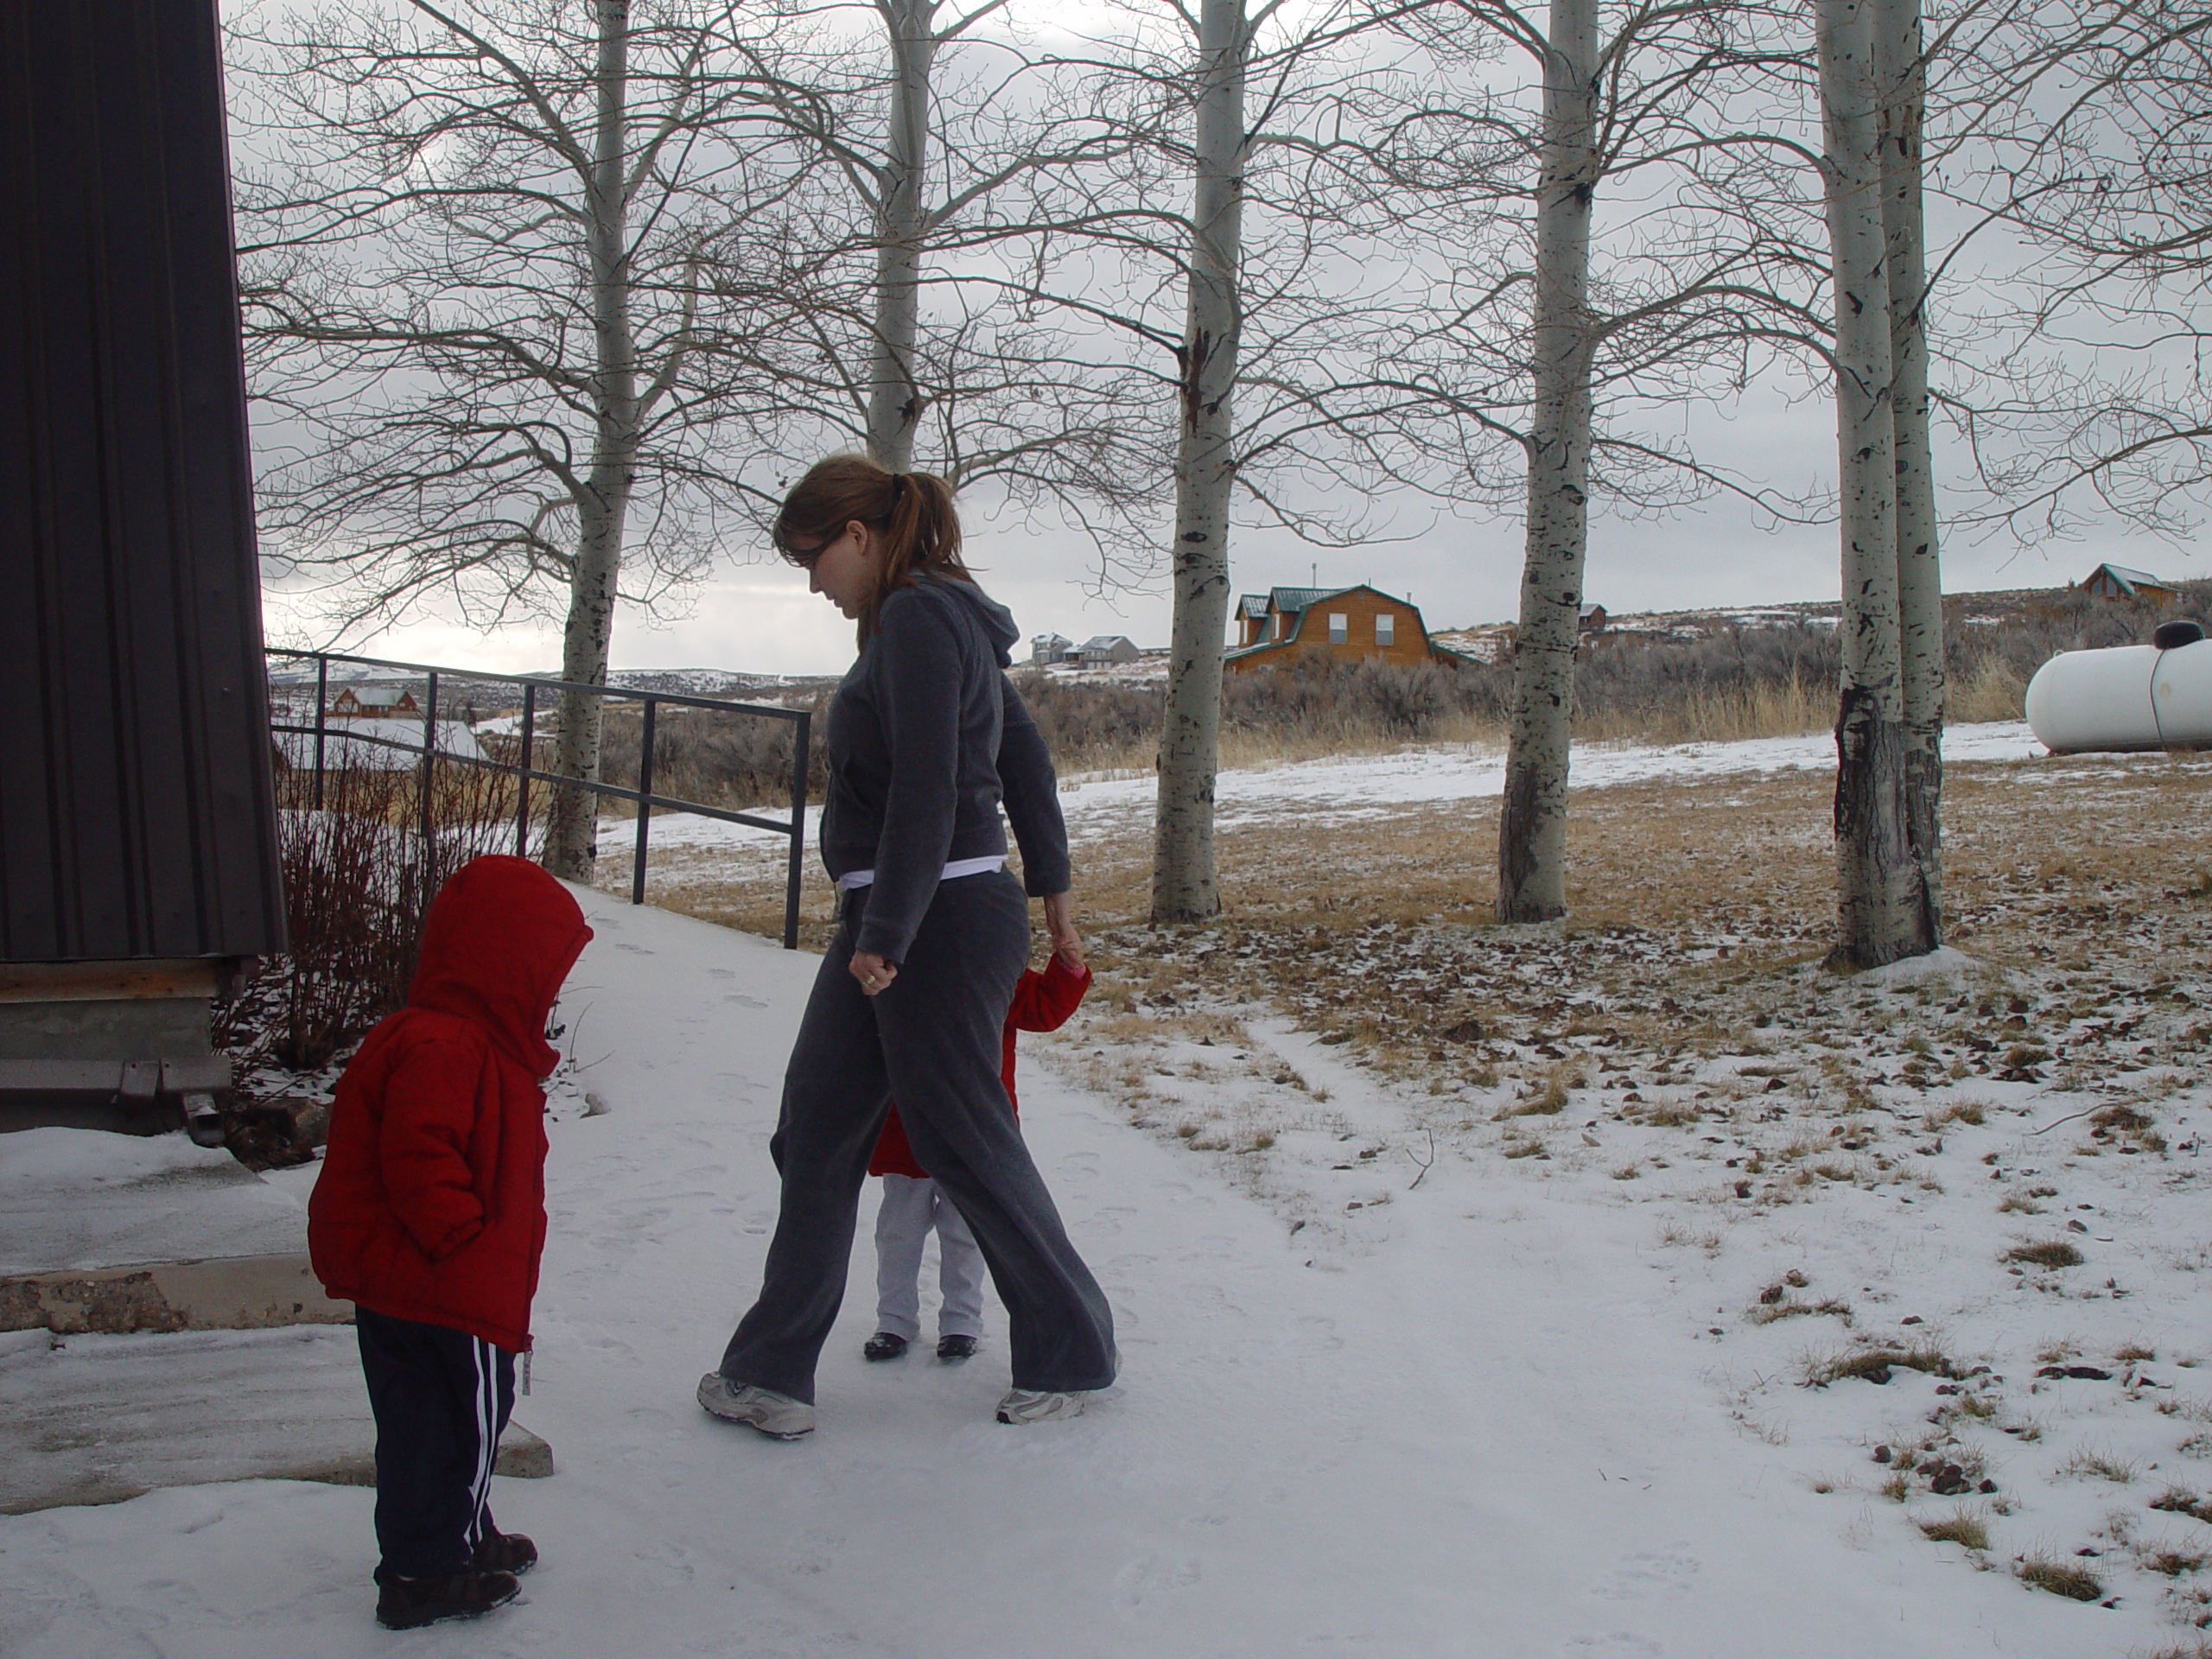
{"type": "Point", "coordinates": [2179, 1500]}
{"type": "Point", "coordinates": [2086, 1464]}
{"type": "Point", "coordinates": [1992, 689]}
{"type": "Point", "coordinates": [1875, 1364]}
{"type": "Point", "coordinates": [2060, 1578]}
{"type": "Point", "coordinates": [2052, 1254]}
{"type": "Point", "coordinates": [1963, 1528]}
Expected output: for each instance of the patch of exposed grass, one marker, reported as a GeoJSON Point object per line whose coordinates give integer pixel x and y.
{"type": "Point", "coordinates": [2060, 1578]}
{"type": "Point", "coordinates": [1766, 1313]}
{"type": "Point", "coordinates": [2051, 1253]}
{"type": "Point", "coordinates": [1963, 1528]}
{"type": "Point", "coordinates": [2095, 1465]}
{"type": "Point", "coordinates": [2172, 1562]}
{"type": "Point", "coordinates": [1876, 1365]}
{"type": "Point", "coordinates": [2179, 1500]}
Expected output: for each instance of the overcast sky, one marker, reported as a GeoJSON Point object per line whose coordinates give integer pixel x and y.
{"type": "Point", "coordinates": [756, 614]}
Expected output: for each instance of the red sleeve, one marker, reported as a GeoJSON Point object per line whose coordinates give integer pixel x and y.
{"type": "Point", "coordinates": [1044, 1002]}
{"type": "Point", "coordinates": [430, 1108]}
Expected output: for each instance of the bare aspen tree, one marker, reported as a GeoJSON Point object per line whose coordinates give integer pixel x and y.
{"type": "Point", "coordinates": [1532, 828]}
{"type": "Point", "coordinates": [1183, 856]}
{"type": "Point", "coordinates": [965, 172]}
{"type": "Point", "coordinates": [1564, 337]}
{"type": "Point", "coordinates": [1882, 899]}
{"type": "Point", "coordinates": [903, 220]}
{"type": "Point", "coordinates": [488, 310]}
{"type": "Point", "coordinates": [1901, 73]}
{"type": "Point", "coordinates": [603, 505]}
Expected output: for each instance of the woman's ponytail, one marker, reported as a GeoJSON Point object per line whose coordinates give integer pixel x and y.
{"type": "Point", "coordinates": [913, 511]}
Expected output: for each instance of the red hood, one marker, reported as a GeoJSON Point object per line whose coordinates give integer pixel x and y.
{"type": "Point", "coordinates": [500, 938]}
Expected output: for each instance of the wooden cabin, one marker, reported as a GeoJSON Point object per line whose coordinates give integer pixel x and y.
{"type": "Point", "coordinates": [1358, 624]}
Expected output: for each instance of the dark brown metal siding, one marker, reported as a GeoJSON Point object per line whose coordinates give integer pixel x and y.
{"type": "Point", "coordinates": [136, 814]}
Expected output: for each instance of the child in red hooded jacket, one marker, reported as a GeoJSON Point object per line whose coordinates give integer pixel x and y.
{"type": "Point", "coordinates": [429, 1216]}
{"type": "Point", "coordinates": [913, 1203]}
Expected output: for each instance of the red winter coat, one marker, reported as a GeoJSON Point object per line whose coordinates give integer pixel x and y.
{"type": "Point", "coordinates": [1041, 1002]}
{"type": "Point", "coordinates": [431, 1202]}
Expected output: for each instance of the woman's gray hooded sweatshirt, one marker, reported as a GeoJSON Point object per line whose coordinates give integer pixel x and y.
{"type": "Point", "coordinates": [926, 737]}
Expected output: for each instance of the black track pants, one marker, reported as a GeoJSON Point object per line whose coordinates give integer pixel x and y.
{"type": "Point", "coordinates": [931, 1041]}
{"type": "Point", "coordinates": [440, 1398]}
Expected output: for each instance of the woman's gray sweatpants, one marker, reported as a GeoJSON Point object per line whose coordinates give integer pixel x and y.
{"type": "Point", "coordinates": [932, 1041]}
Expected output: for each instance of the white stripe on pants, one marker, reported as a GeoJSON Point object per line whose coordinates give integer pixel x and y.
{"type": "Point", "coordinates": [910, 1208]}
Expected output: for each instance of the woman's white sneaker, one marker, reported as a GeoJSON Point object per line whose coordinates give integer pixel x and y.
{"type": "Point", "coordinates": [777, 1416]}
{"type": "Point", "coordinates": [1038, 1406]}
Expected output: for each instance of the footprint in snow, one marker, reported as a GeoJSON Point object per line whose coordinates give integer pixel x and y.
{"type": "Point", "coordinates": [1612, 1644]}
{"type": "Point", "coordinates": [1649, 1573]}
{"type": "Point", "coordinates": [669, 1565]}
{"type": "Point", "coordinates": [1149, 1576]}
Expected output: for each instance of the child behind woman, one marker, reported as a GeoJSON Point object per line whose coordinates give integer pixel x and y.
{"type": "Point", "coordinates": [913, 1203]}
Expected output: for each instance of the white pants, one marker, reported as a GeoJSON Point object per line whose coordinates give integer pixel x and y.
{"type": "Point", "coordinates": [910, 1208]}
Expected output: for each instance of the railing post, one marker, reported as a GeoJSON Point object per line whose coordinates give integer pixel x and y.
{"type": "Point", "coordinates": [430, 756]}
{"type": "Point", "coordinates": [321, 702]}
{"type": "Point", "coordinates": [645, 811]}
{"type": "Point", "coordinates": [800, 732]}
{"type": "Point", "coordinates": [522, 772]}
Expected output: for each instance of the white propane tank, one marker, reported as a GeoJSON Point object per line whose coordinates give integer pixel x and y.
{"type": "Point", "coordinates": [2128, 698]}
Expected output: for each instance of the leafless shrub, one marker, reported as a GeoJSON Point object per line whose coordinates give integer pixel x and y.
{"type": "Point", "coordinates": [357, 877]}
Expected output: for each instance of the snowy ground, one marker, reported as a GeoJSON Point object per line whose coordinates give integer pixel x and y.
{"type": "Point", "coordinates": [1483, 1415]}
{"type": "Point", "coordinates": [1529, 1341]}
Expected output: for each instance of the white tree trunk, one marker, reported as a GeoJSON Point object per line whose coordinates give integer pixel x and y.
{"type": "Point", "coordinates": [894, 397]}
{"type": "Point", "coordinates": [1875, 869]}
{"type": "Point", "coordinates": [571, 832]}
{"type": "Point", "coordinates": [1532, 823]}
{"type": "Point", "coordinates": [1183, 888]}
{"type": "Point", "coordinates": [1920, 584]}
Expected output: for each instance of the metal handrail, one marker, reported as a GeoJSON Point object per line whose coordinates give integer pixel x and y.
{"type": "Point", "coordinates": [523, 771]}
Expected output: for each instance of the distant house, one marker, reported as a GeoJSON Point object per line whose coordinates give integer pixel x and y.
{"type": "Point", "coordinates": [350, 704]}
{"type": "Point", "coordinates": [1108, 650]}
{"type": "Point", "coordinates": [1356, 624]}
{"type": "Point", "coordinates": [1590, 619]}
{"type": "Point", "coordinates": [1046, 649]}
{"type": "Point", "coordinates": [2118, 582]}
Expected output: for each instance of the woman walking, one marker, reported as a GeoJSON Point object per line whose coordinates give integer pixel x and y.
{"type": "Point", "coordinates": [926, 737]}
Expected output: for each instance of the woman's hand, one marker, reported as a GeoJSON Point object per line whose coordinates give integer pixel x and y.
{"type": "Point", "coordinates": [873, 971]}
{"type": "Point", "coordinates": [1060, 923]}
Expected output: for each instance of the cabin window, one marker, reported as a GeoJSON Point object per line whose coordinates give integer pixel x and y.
{"type": "Point", "coordinates": [1339, 627]}
{"type": "Point", "coordinates": [1280, 618]}
{"type": "Point", "coordinates": [1386, 629]}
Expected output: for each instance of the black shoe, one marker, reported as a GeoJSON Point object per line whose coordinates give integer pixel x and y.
{"type": "Point", "coordinates": [955, 1348]}
{"type": "Point", "coordinates": [503, 1552]}
{"type": "Point", "coordinates": [883, 1346]}
{"type": "Point", "coordinates": [404, 1603]}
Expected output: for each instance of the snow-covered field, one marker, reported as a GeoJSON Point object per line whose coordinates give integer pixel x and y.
{"type": "Point", "coordinates": [1454, 1367]}
{"type": "Point", "coordinates": [1371, 786]}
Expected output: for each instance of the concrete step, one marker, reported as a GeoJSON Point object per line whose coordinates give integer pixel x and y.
{"type": "Point", "coordinates": [99, 1418]}
{"type": "Point", "coordinates": [236, 1292]}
